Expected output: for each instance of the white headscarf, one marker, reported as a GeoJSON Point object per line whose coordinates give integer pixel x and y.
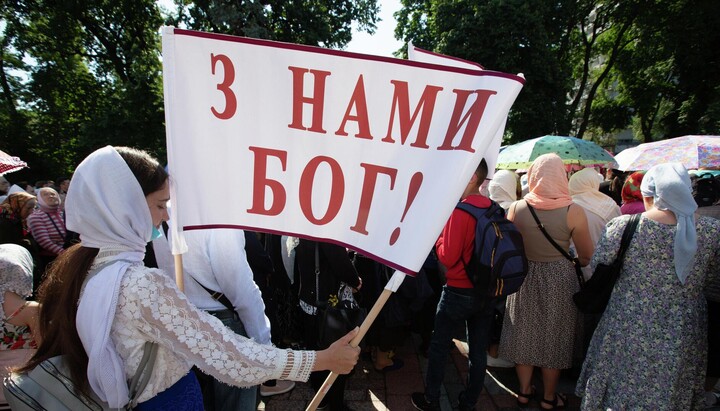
{"type": "Point", "coordinates": [503, 188]}
{"type": "Point", "coordinates": [584, 188]}
{"type": "Point", "coordinates": [106, 205]}
{"type": "Point", "coordinates": [669, 186]}
{"type": "Point", "coordinates": [41, 201]}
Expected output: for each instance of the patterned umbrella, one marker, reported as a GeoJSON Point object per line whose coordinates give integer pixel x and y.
{"type": "Point", "coordinates": [572, 150]}
{"type": "Point", "coordinates": [9, 164]}
{"type": "Point", "coordinates": [692, 151]}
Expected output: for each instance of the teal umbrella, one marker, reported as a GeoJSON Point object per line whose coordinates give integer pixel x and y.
{"type": "Point", "coordinates": [571, 150]}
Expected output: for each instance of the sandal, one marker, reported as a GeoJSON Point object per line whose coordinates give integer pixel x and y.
{"type": "Point", "coordinates": [529, 397]}
{"type": "Point", "coordinates": [554, 402]}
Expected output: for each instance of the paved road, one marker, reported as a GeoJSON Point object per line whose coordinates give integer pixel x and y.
{"type": "Point", "coordinates": [368, 389]}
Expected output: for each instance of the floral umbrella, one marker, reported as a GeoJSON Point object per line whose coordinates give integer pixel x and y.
{"type": "Point", "coordinates": [693, 152]}
{"type": "Point", "coordinates": [571, 150]}
{"type": "Point", "coordinates": [9, 163]}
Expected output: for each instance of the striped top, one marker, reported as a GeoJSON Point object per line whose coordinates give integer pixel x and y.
{"type": "Point", "coordinates": [48, 229]}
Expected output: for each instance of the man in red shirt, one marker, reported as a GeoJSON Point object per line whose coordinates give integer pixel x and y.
{"type": "Point", "coordinates": [459, 304]}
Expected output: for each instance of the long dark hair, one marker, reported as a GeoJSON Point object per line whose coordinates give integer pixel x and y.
{"type": "Point", "coordinates": [60, 291]}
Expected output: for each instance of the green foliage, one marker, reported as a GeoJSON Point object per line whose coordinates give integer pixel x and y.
{"type": "Point", "coordinates": [313, 22]}
{"type": "Point", "coordinates": [514, 36]}
{"type": "Point", "coordinates": [591, 66]}
{"type": "Point", "coordinates": [78, 75]}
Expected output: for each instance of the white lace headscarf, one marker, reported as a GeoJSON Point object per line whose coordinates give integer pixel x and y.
{"type": "Point", "coordinates": [669, 186]}
{"type": "Point", "coordinates": [106, 205]}
{"type": "Point", "coordinates": [16, 272]}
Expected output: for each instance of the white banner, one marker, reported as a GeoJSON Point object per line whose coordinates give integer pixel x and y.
{"type": "Point", "coordinates": [365, 151]}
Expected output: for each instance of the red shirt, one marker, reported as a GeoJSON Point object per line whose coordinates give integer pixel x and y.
{"type": "Point", "coordinates": [455, 245]}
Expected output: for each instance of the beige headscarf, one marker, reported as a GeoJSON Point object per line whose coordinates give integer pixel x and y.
{"type": "Point", "coordinates": [584, 188]}
{"type": "Point", "coordinates": [548, 183]}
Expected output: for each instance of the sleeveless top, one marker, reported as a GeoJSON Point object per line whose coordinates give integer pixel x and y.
{"type": "Point", "coordinates": [537, 246]}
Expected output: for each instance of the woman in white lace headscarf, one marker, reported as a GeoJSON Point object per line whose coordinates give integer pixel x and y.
{"type": "Point", "coordinates": [116, 201]}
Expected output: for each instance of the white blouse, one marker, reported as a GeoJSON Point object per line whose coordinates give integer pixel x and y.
{"type": "Point", "coordinates": [152, 308]}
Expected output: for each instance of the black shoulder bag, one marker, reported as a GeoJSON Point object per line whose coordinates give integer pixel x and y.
{"type": "Point", "coordinates": [575, 261]}
{"type": "Point", "coordinates": [594, 297]}
{"type": "Point", "coordinates": [336, 318]}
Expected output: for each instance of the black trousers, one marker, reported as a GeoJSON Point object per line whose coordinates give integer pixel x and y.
{"type": "Point", "coordinates": [335, 398]}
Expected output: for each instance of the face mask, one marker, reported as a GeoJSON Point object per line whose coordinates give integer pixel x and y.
{"type": "Point", "coordinates": [155, 234]}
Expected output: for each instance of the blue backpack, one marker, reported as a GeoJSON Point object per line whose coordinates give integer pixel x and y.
{"type": "Point", "coordinates": [498, 265]}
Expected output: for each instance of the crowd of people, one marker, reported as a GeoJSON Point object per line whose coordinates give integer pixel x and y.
{"type": "Point", "coordinates": [656, 345]}
{"type": "Point", "coordinates": [96, 257]}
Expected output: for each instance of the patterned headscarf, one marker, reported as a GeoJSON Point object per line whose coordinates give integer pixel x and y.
{"type": "Point", "coordinates": [669, 186]}
{"type": "Point", "coordinates": [548, 183]}
{"type": "Point", "coordinates": [12, 207]}
{"type": "Point", "coordinates": [631, 187]}
{"type": "Point", "coordinates": [16, 272]}
{"type": "Point", "coordinates": [15, 202]}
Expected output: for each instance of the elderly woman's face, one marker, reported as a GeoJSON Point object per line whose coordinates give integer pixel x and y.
{"type": "Point", "coordinates": [50, 197]}
{"type": "Point", "coordinates": [28, 208]}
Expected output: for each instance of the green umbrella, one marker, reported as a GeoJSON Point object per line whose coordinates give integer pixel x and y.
{"type": "Point", "coordinates": [571, 150]}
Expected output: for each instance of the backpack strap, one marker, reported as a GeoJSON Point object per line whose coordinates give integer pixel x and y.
{"type": "Point", "coordinates": [471, 209]}
{"type": "Point", "coordinates": [142, 376]}
{"type": "Point", "coordinates": [565, 254]}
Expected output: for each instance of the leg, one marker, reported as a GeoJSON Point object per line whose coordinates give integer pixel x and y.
{"type": "Point", "coordinates": [524, 373]}
{"type": "Point", "coordinates": [479, 328]}
{"type": "Point", "coordinates": [550, 380]}
{"type": "Point", "coordinates": [228, 397]}
{"type": "Point", "coordinates": [445, 323]}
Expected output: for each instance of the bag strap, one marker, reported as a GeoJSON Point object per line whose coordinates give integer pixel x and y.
{"type": "Point", "coordinates": [55, 225]}
{"type": "Point", "coordinates": [142, 376]}
{"type": "Point", "coordinates": [565, 254]}
{"type": "Point", "coordinates": [628, 233]}
{"type": "Point", "coordinates": [215, 295]}
{"type": "Point", "coordinates": [317, 275]}
{"type": "Point", "coordinates": [547, 235]}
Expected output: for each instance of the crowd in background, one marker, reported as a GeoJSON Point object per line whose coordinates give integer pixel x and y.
{"type": "Point", "coordinates": [651, 346]}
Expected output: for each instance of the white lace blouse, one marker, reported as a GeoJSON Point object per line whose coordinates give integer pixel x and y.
{"type": "Point", "coordinates": [151, 308]}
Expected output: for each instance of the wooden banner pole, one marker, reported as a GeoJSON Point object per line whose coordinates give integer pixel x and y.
{"type": "Point", "coordinates": [390, 288]}
{"type": "Point", "coordinates": [179, 272]}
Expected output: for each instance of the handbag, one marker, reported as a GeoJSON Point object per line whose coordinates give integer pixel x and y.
{"type": "Point", "coordinates": [337, 316]}
{"type": "Point", "coordinates": [49, 386]}
{"type": "Point", "coordinates": [594, 297]}
{"type": "Point", "coordinates": [574, 260]}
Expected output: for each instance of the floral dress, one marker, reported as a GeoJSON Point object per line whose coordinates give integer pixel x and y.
{"type": "Point", "coordinates": [15, 337]}
{"type": "Point", "coordinates": [649, 350]}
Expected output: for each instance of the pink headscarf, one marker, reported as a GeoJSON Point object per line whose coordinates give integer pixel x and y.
{"type": "Point", "coordinates": [548, 183]}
